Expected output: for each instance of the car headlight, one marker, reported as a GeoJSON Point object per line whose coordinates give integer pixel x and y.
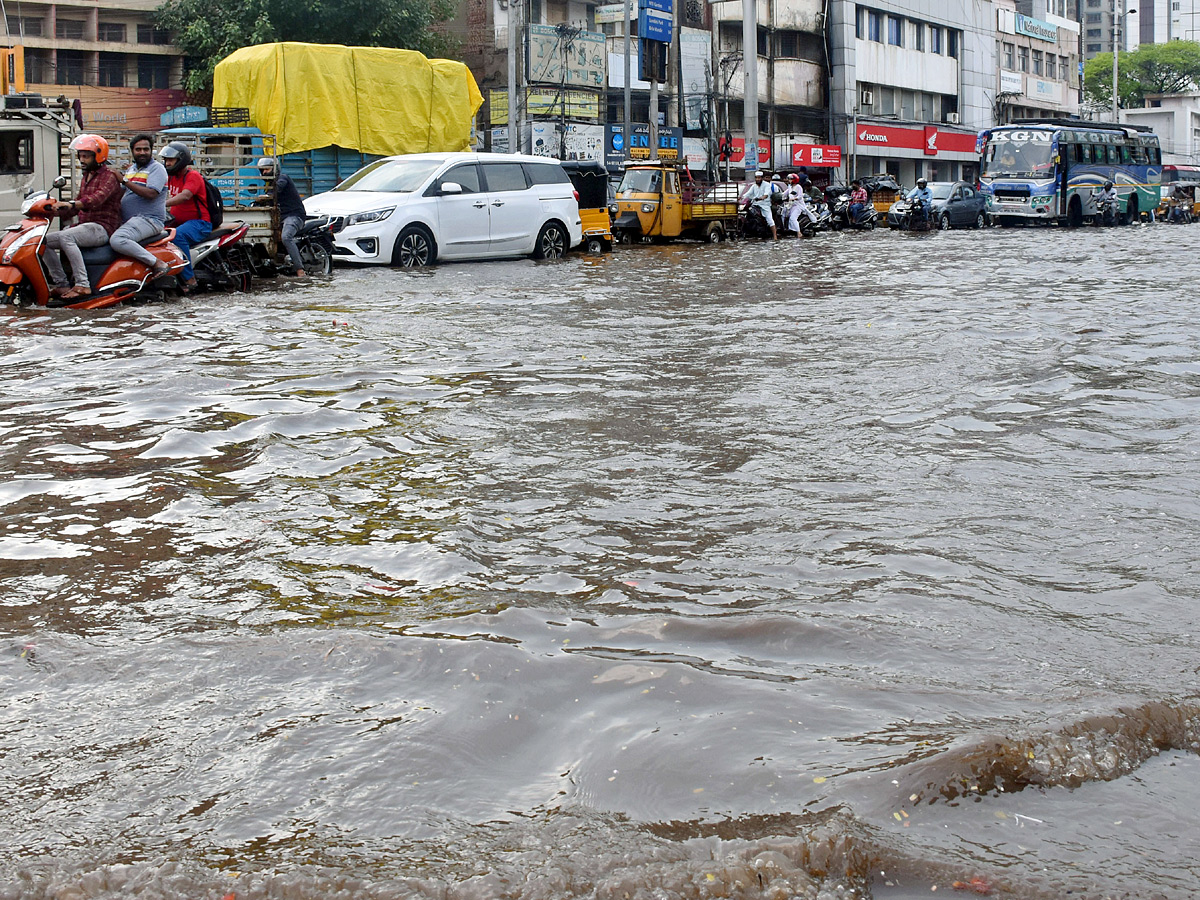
{"type": "Point", "coordinates": [374, 215]}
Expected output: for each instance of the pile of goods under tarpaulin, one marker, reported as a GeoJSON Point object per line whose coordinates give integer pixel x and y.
{"type": "Point", "coordinates": [373, 99]}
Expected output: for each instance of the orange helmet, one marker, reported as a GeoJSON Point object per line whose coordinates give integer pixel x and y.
{"type": "Point", "coordinates": [93, 142]}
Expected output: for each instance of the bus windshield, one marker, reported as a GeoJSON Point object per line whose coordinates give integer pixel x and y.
{"type": "Point", "coordinates": [1018, 158]}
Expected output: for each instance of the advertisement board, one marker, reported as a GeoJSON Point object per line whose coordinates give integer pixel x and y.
{"type": "Point", "coordinates": [930, 139]}
{"type": "Point", "coordinates": [584, 54]}
{"type": "Point", "coordinates": [819, 155]}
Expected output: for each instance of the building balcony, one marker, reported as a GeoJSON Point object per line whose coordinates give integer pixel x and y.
{"type": "Point", "coordinates": [798, 82]}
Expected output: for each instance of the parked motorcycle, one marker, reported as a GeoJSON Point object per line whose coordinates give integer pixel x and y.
{"type": "Point", "coordinates": [114, 279]}
{"type": "Point", "coordinates": [754, 223]}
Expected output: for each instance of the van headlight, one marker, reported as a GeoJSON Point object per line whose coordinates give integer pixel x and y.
{"type": "Point", "coordinates": [374, 215]}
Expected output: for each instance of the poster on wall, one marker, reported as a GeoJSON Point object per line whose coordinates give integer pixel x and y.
{"type": "Point", "coordinates": [581, 141]}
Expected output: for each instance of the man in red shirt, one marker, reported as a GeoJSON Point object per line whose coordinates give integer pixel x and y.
{"type": "Point", "coordinates": [187, 204]}
{"type": "Point", "coordinates": [98, 207]}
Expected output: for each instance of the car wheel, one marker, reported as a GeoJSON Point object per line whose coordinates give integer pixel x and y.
{"type": "Point", "coordinates": [551, 243]}
{"type": "Point", "coordinates": [414, 247]}
{"type": "Point", "coordinates": [980, 221]}
{"type": "Point", "coordinates": [944, 222]}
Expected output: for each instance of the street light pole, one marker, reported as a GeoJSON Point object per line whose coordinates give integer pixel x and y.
{"type": "Point", "coordinates": [1116, 102]}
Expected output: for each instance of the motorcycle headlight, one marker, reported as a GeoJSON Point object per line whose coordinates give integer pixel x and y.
{"type": "Point", "coordinates": [32, 235]}
{"type": "Point", "coordinates": [374, 215]}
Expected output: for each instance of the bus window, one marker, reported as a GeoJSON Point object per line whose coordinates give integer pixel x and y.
{"type": "Point", "coordinates": [1139, 156]}
{"type": "Point", "coordinates": [1071, 155]}
{"type": "Point", "coordinates": [1085, 153]}
{"type": "Point", "coordinates": [1114, 155]}
{"type": "Point", "coordinates": [1126, 156]}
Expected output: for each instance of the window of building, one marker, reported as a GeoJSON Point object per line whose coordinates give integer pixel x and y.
{"type": "Point", "coordinates": [1010, 54]}
{"type": "Point", "coordinates": [111, 71]}
{"type": "Point", "coordinates": [1064, 69]}
{"type": "Point", "coordinates": [952, 43]}
{"type": "Point", "coordinates": [908, 105]}
{"type": "Point", "coordinates": [153, 71]}
{"type": "Point", "coordinates": [71, 30]}
{"type": "Point", "coordinates": [1051, 70]}
{"type": "Point", "coordinates": [1038, 67]}
{"type": "Point", "coordinates": [787, 44]}
{"type": "Point", "coordinates": [111, 31]}
{"type": "Point", "coordinates": [918, 33]}
{"type": "Point", "coordinates": [874, 26]}
{"type": "Point", "coordinates": [37, 66]}
{"type": "Point", "coordinates": [860, 23]}
{"type": "Point", "coordinates": [148, 34]}
{"type": "Point", "coordinates": [72, 67]}
{"type": "Point", "coordinates": [1093, 32]}
{"type": "Point", "coordinates": [1093, 48]}
{"type": "Point", "coordinates": [24, 26]}
{"type": "Point", "coordinates": [935, 39]}
{"type": "Point", "coordinates": [895, 31]}
{"type": "Point", "coordinates": [1023, 59]}
{"type": "Point", "coordinates": [885, 100]}
{"type": "Point", "coordinates": [761, 42]}
{"type": "Point", "coordinates": [1093, 18]}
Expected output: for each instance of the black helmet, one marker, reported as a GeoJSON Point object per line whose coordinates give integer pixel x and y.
{"type": "Point", "coordinates": [1108, 185]}
{"type": "Point", "coordinates": [176, 150]}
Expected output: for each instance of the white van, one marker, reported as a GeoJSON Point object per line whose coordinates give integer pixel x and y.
{"type": "Point", "coordinates": [417, 209]}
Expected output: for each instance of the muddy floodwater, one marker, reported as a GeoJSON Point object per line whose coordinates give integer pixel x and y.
{"type": "Point", "coordinates": [859, 567]}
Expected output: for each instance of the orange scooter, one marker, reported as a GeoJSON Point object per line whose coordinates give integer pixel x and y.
{"type": "Point", "coordinates": [114, 278]}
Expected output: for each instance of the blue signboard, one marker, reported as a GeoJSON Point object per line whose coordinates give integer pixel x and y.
{"type": "Point", "coordinates": [660, 5]}
{"type": "Point", "coordinates": [654, 26]}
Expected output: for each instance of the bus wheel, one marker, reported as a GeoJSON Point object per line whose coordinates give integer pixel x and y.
{"type": "Point", "coordinates": [1075, 213]}
{"type": "Point", "coordinates": [1131, 212]}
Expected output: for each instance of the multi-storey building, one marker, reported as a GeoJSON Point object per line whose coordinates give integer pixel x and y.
{"type": "Point", "coordinates": [1037, 53]}
{"type": "Point", "coordinates": [106, 53]}
{"type": "Point", "coordinates": [1159, 21]}
{"type": "Point", "coordinates": [1099, 19]}
{"type": "Point", "coordinates": [911, 83]}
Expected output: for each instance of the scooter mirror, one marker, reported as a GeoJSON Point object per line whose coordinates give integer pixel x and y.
{"type": "Point", "coordinates": [59, 182]}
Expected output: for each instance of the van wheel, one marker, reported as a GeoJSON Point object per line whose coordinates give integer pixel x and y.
{"type": "Point", "coordinates": [414, 248]}
{"type": "Point", "coordinates": [551, 242]}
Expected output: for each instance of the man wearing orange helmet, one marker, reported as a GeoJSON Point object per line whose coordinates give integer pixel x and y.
{"type": "Point", "coordinates": [98, 208]}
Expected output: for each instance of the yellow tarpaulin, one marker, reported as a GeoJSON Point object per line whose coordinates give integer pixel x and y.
{"type": "Point", "coordinates": [372, 99]}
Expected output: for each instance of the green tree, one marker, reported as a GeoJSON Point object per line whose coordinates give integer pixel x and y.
{"type": "Point", "coordinates": [209, 30]}
{"type": "Point", "coordinates": [1168, 68]}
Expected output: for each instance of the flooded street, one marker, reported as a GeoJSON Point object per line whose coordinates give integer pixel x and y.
{"type": "Point", "coordinates": [851, 567]}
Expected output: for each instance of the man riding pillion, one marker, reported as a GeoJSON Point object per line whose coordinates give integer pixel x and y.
{"type": "Point", "coordinates": [187, 202]}
{"type": "Point", "coordinates": [291, 209]}
{"type": "Point", "coordinates": [759, 196]}
{"type": "Point", "coordinates": [144, 206]}
{"type": "Point", "coordinates": [797, 198]}
{"type": "Point", "coordinates": [98, 209]}
{"type": "Point", "coordinates": [922, 193]}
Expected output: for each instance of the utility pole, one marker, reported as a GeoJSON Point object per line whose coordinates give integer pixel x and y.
{"type": "Point", "coordinates": [750, 66]}
{"type": "Point", "coordinates": [514, 43]}
{"type": "Point", "coordinates": [628, 79]}
{"type": "Point", "coordinates": [1116, 101]}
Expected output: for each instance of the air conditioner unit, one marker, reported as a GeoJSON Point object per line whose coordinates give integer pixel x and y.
{"type": "Point", "coordinates": [952, 118]}
{"type": "Point", "coordinates": [867, 98]}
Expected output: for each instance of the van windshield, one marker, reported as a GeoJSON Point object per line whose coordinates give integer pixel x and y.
{"type": "Point", "coordinates": [400, 176]}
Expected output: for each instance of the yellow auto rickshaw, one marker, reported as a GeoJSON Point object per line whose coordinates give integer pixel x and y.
{"type": "Point", "coordinates": [591, 184]}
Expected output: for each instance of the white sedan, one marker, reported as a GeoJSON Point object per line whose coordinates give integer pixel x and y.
{"type": "Point", "coordinates": [418, 209]}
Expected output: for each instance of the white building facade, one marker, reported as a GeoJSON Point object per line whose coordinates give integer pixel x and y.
{"type": "Point", "coordinates": [1038, 62]}
{"type": "Point", "coordinates": [911, 84]}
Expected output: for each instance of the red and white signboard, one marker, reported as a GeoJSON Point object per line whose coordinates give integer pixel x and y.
{"type": "Point", "coordinates": [764, 151]}
{"type": "Point", "coordinates": [930, 139]}
{"type": "Point", "coordinates": [816, 155]}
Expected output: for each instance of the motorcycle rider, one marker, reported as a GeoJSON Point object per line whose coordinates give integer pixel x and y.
{"type": "Point", "coordinates": [187, 202]}
{"type": "Point", "coordinates": [144, 206]}
{"type": "Point", "coordinates": [797, 198]}
{"type": "Point", "coordinates": [291, 209]}
{"type": "Point", "coordinates": [98, 209]}
{"type": "Point", "coordinates": [922, 193]}
{"type": "Point", "coordinates": [858, 200]}
{"type": "Point", "coordinates": [759, 195]}
{"type": "Point", "coordinates": [1108, 194]}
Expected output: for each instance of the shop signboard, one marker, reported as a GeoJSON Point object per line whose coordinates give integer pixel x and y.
{"type": "Point", "coordinates": [818, 155]}
{"type": "Point", "coordinates": [1037, 29]}
{"type": "Point", "coordinates": [930, 139]}
{"type": "Point", "coordinates": [584, 54]}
